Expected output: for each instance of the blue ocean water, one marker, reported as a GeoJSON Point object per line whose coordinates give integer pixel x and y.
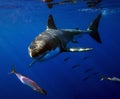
{"type": "Point", "coordinates": [68, 75]}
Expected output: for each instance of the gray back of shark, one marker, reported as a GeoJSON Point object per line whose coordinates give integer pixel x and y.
{"type": "Point", "coordinates": [53, 41]}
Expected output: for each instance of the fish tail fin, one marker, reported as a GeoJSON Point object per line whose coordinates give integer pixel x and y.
{"type": "Point", "coordinates": [43, 92]}
{"type": "Point", "coordinates": [13, 70]}
{"type": "Point", "coordinates": [103, 78]}
{"type": "Point", "coordinates": [93, 28]}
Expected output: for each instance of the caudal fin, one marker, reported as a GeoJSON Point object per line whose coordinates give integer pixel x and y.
{"type": "Point", "coordinates": [13, 69]}
{"type": "Point", "coordinates": [103, 78]}
{"type": "Point", "coordinates": [93, 28]}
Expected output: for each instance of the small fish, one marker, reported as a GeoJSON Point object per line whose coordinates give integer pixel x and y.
{"type": "Point", "coordinates": [86, 78]}
{"type": "Point", "coordinates": [85, 58]}
{"type": "Point", "coordinates": [28, 82]}
{"type": "Point", "coordinates": [75, 66]}
{"type": "Point", "coordinates": [95, 73]}
{"type": "Point", "coordinates": [66, 59]}
{"type": "Point", "coordinates": [115, 79]}
{"type": "Point", "coordinates": [88, 70]}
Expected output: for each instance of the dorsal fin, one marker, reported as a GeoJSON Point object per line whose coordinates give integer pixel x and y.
{"type": "Point", "coordinates": [51, 23]}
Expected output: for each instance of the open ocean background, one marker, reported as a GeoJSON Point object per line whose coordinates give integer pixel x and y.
{"type": "Point", "coordinates": [69, 75]}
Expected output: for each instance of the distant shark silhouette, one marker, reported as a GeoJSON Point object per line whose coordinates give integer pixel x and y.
{"type": "Point", "coordinates": [53, 41]}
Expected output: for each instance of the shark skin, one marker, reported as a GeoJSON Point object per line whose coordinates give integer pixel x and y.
{"type": "Point", "coordinates": [54, 41]}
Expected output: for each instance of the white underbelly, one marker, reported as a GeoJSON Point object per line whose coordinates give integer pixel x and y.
{"type": "Point", "coordinates": [47, 55]}
{"type": "Point", "coordinates": [50, 54]}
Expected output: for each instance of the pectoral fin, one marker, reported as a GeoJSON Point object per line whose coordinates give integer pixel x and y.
{"type": "Point", "coordinates": [79, 49]}
{"type": "Point", "coordinates": [73, 49]}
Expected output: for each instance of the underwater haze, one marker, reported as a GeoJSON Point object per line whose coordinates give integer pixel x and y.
{"type": "Point", "coordinates": [69, 75]}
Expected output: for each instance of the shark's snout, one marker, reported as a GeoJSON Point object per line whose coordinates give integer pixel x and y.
{"type": "Point", "coordinates": [36, 48]}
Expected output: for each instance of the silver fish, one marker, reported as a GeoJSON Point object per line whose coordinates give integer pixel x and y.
{"type": "Point", "coordinates": [115, 79]}
{"type": "Point", "coordinates": [27, 81]}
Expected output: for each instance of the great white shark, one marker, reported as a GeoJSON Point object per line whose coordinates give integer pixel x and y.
{"type": "Point", "coordinates": [54, 41]}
